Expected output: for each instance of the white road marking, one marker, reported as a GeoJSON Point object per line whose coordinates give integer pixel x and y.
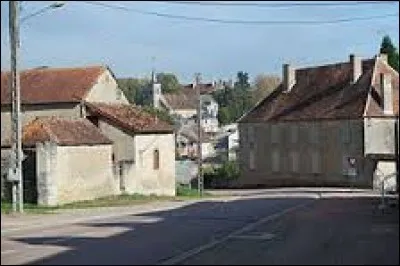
{"type": "Point", "coordinates": [195, 251]}
{"type": "Point", "coordinates": [254, 237]}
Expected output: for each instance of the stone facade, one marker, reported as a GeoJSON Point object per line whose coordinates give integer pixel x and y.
{"type": "Point", "coordinates": [134, 157]}
{"type": "Point", "coordinates": [304, 153]}
{"type": "Point", "coordinates": [64, 174]}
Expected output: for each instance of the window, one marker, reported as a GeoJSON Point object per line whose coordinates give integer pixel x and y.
{"type": "Point", "coordinates": [315, 162]}
{"type": "Point", "coordinates": [294, 133]}
{"type": "Point", "coordinates": [156, 159]}
{"type": "Point", "coordinates": [252, 160]}
{"type": "Point", "coordinates": [251, 134]}
{"type": "Point", "coordinates": [274, 133]}
{"type": "Point", "coordinates": [141, 159]}
{"type": "Point", "coordinates": [314, 133]}
{"type": "Point", "coordinates": [294, 161]}
{"type": "Point", "coordinates": [345, 132]}
{"type": "Point", "coordinates": [275, 160]}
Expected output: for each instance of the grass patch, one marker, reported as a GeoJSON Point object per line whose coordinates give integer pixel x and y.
{"type": "Point", "coordinates": [112, 201]}
{"type": "Point", "coordinates": [183, 192]}
{"type": "Point", "coordinates": [186, 192]}
{"type": "Point", "coordinates": [6, 208]}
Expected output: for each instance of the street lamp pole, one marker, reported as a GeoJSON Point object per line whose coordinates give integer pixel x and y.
{"type": "Point", "coordinates": [16, 148]}
{"type": "Point", "coordinates": [200, 183]}
{"type": "Point", "coordinates": [15, 174]}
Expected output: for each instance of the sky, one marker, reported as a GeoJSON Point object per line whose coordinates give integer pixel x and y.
{"type": "Point", "coordinates": [131, 43]}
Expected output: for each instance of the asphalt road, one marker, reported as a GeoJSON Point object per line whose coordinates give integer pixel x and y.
{"type": "Point", "coordinates": [254, 230]}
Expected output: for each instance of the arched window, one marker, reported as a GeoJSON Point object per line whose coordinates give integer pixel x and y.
{"type": "Point", "coordinates": [156, 159]}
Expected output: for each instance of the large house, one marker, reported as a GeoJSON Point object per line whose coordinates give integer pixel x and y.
{"type": "Point", "coordinates": [183, 104]}
{"type": "Point", "coordinates": [324, 125]}
{"type": "Point", "coordinates": [143, 146]}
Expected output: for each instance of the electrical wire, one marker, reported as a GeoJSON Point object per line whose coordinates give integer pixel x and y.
{"type": "Point", "coordinates": [234, 21]}
{"type": "Point", "coordinates": [336, 4]}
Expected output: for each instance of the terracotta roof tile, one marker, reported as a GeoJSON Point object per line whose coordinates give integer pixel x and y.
{"type": "Point", "coordinates": [205, 88]}
{"type": "Point", "coordinates": [63, 131]}
{"type": "Point", "coordinates": [50, 85]}
{"type": "Point", "coordinates": [130, 117]}
{"type": "Point", "coordinates": [186, 97]}
{"type": "Point", "coordinates": [322, 92]}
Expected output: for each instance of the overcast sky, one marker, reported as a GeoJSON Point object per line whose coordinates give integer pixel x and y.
{"type": "Point", "coordinates": [82, 34]}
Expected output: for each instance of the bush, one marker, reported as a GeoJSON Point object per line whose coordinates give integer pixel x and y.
{"type": "Point", "coordinates": [219, 177]}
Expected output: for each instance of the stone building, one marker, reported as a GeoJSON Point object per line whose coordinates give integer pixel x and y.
{"type": "Point", "coordinates": [324, 125]}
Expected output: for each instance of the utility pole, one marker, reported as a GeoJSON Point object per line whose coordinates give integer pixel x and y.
{"type": "Point", "coordinates": [396, 152]}
{"type": "Point", "coordinates": [16, 148]}
{"type": "Point", "coordinates": [199, 137]}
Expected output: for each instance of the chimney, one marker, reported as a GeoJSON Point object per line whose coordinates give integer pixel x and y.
{"type": "Point", "coordinates": [289, 77]}
{"type": "Point", "coordinates": [387, 93]}
{"type": "Point", "coordinates": [356, 67]}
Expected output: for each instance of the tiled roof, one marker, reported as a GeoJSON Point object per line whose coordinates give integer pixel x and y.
{"type": "Point", "coordinates": [191, 132]}
{"type": "Point", "coordinates": [186, 97]}
{"type": "Point", "coordinates": [63, 131]}
{"type": "Point", "coordinates": [323, 92]}
{"type": "Point", "coordinates": [50, 85]}
{"type": "Point", "coordinates": [130, 117]}
{"type": "Point", "coordinates": [205, 88]}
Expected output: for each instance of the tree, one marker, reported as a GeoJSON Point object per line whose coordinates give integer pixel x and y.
{"type": "Point", "coordinates": [234, 102]}
{"type": "Point", "coordinates": [161, 114]}
{"type": "Point", "coordinates": [134, 90]}
{"type": "Point", "coordinates": [263, 86]}
{"type": "Point", "coordinates": [242, 81]}
{"type": "Point", "coordinates": [169, 82]}
{"type": "Point", "coordinates": [388, 48]}
{"type": "Point", "coordinates": [224, 115]}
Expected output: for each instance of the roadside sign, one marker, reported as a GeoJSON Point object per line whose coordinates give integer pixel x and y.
{"type": "Point", "coordinates": [11, 176]}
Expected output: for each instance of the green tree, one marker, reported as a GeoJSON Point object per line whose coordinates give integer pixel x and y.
{"type": "Point", "coordinates": [224, 115]}
{"type": "Point", "coordinates": [169, 82]}
{"type": "Point", "coordinates": [388, 48]}
{"type": "Point", "coordinates": [135, 90]}
{"type": "Point", "coordinates": [161, 114]}
{"type": "Point", "coordinates": [234, 102]}
{"type": "Point", "coordinates": [242, 81]}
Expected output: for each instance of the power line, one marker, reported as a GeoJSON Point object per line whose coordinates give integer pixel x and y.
{"type": "Point", "coordinates": [234, 21]}
{"type": "Point", "coordinates": [336, 4]}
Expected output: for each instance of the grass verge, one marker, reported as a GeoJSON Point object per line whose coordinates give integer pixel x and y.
{"type": "Point", "coordinates": [183, 193]}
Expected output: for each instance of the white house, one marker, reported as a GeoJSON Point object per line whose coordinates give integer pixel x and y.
{"type": "Point", "coordinates": [209, 116]}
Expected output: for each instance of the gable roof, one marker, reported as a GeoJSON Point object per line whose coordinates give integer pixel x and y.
{"type": "Point", "coordinates": [322, 92]}
{"type": "Point", "coordinates": [130, 117]}
{"type": "Point", "coordinates": [374, 106]}
{"type": "Point", "coordinates": [52, 85]}
{"type": "Point", "coordinates": [190, 131]}
{"type": "Point", "coordinates": [62, 131]}
{"type": "Point", "coordinates": [185, 98]}
{"type": "Point", "coordinates": [205, 88]}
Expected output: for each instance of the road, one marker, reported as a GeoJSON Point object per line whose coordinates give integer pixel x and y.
{"type": "Point", "coordinates": [257, 229]}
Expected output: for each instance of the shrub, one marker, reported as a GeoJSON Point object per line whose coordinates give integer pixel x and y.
{"type": "Point", "coordinates": [219, 177]}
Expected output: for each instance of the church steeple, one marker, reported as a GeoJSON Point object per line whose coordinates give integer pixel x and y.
{"type": "Point", "coordinates": [156, 87]}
